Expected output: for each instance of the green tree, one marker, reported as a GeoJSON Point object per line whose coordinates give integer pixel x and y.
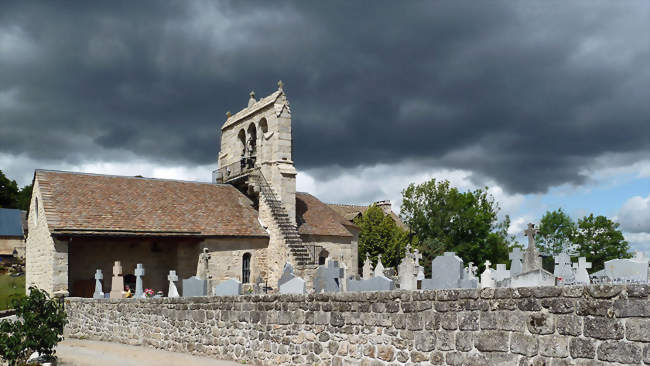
{"type": "Point", "coordinates": [445, 219]}
{"type": "Point", "coordinates": [11, 196]}
{"type": "Point", "coordinates": [556, 232]}
{"type": "Point", "coordinates": [600, 240]}
{"type": "Point", "coordinates": [38, 328]}
{"type": "Point", "coordinates": [380, 235]}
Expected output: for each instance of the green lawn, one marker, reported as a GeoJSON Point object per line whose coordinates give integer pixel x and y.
{"type": "Point", "coordinates": [10, 287]}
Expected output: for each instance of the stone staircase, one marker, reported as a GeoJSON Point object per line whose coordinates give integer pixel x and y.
{"type": "Point", "coordinates": [302, 256]}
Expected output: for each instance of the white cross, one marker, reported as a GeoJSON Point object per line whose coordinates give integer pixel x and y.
{"type": "Point", "coordinates": [139, 270]}
{"type": "Point", "coordinates": [502, 273]}
{"type": "Point", "coordinates": [516, 254]}
{"type": "Point", "coordinates": [582, 263]}
{"type": "Point", "coordinates": [487, 264]}
{"type": "Point", "coordinates": [117, 269]}
{"type": "Point", "coordinates": [172, 276]}
{"type": "Point", "coordinates": [99, 275]}
{"type": "Point", "coordinates": [530, 233]}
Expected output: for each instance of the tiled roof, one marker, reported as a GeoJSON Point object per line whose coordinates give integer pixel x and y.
{"type": "Point", "coordinates": [352, 211]}
{"type": "Point", "coordinates": [11, 222]}
{"type": "Point", "coordinates": [92, 204]}
{"type": "Point", "coordinates": [317, 218]}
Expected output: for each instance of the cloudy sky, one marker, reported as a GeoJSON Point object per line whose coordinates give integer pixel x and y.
{"type": "Point", "coordinates": [545, 103]}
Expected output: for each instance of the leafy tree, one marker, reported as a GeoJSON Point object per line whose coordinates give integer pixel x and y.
{"type": "Point", "coordinates": [11, 196]}
{"type": "Point", "coordinates": [38, 328]}
{"type": "Point", "coordinates": [556, 232]}
{"type": "Point", "coordinates": [380, 235]}
{"type": "Point", "coordinates": [600, 240]}
{"type": "Point", "coordinates": [445, 219]}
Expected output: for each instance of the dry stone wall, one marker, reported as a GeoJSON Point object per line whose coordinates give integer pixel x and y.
{"type": "Point", "coordinates": [593, 325]}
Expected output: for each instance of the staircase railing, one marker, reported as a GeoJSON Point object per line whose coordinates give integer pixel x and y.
{"type": "Point", "coordinates": [304, 254]}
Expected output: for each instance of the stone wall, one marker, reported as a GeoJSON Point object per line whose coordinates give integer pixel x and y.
{"type": "Point", "coordinates": [40, 248]}
{"type": "Point", "coordinates": [595, 325]}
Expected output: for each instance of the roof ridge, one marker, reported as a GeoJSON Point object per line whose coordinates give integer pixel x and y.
{"type": "Point", "coordinates": [127, 176]}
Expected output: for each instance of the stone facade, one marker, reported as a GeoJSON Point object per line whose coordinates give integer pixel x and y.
{"type": "Point", "coordinates": [593, 325]}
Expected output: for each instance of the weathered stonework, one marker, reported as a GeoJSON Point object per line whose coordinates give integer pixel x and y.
{"type": "Point", "coordinates": [442, 327]}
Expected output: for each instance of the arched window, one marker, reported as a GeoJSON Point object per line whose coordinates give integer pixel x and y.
{"type": "Point", "coordinates": [263, 149]}
{"type": "Point", "coordinates": [246, 268]}
{"type": "Point", "coordinates": [322, 257]}
{"type": "Point", "coordinates": [251, 143]}
{"type": "Point", "coordinates": [242, 142]}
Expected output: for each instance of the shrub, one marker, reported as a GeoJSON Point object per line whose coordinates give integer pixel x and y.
{"type": "Point", "coordinates": [38, 328]}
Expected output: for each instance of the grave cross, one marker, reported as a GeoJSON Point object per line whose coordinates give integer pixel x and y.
{"type": "Point", "coordinates": [367, 268]}
{"type": "Point", "coordinates": [173, 291]}
{"type": "Point", "coordinates": [501, 273]}
{"type": "Point", "coordinates": [99, 292]}
{"type": "Point", "coordinates": [515, 256]}
{"type": "Point", "coordinates": [139, 272]}
{"type": "Point", "coordinates": [582, 276]}
{"type": "Point", "coordinates": [530, 233]}
{"type": "Point", "coordinates": [117, 269]}
{"type": "Point", "coordinates": [486, 276]}
{"type": "Point", "coordinates": [379, 268]}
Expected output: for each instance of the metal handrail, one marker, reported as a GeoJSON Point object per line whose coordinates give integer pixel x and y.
{"type": "Point", "coordinates": [234, 170]}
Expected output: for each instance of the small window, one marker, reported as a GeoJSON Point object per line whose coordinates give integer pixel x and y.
{"type": "Point", "coordinates": [246, 268]}
{"type": "Point", "coordinates": [36, 211]}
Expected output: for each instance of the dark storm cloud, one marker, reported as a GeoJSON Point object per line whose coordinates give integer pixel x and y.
{"type": "Point", "coordinates": [524, 94]}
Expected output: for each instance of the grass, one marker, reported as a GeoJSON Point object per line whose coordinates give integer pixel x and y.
{"type": "Point", "coordinates": [10, 287]}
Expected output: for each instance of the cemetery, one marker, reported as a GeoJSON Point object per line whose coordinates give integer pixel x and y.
{"type": "Point", "coordinates": [508, 315]}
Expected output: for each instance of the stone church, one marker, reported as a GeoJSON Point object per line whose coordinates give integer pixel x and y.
{"type": "Point", "coordinates": [250, 218]}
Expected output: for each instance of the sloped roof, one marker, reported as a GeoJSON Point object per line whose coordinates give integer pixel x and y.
{"type": "Point", "coordinates": [317, 218]}
{"type": "Point", "coordinates": [350, 212]}
{"type": "Point", "coordinates": [91, 204]}
{"type": "Point", "coordinates": [11, 222]}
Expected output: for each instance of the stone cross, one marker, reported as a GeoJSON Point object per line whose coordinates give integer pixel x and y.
{"type": "Point", "coordinates": [117, 282]}
{"type": "Point", "coordinates": [328, 279]}
{"type": "Point", "coordinates": [515, 256]}
{"type": "Point", "coordinates": [563, 271]}
{"type": "Point", "coordinates": [530, 233]}
{"type": "Point", "coordinates": [532, 260]}
{"type": "Point", "coordinates": [582, 276]}
{"type": "Point", "coordinates": [173, 291]}
{"type": "Point", "coordinates": [367, 268]}
{"type": "Point", "coordinates": [501, 273]}
{"type": "Point", "coordinates": [139, 272]}
{"type": "Point", "coordinates": [202, 267]}
{"type": "Point", "coordinates": [407, 271]}
{"type": "Point", "coordinates": [99, 294]}
{"type": "Point", "coordinates": [379, 268]}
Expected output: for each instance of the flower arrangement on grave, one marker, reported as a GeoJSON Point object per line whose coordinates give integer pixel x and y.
{"type": "Point", "coordinates": [149, 292]}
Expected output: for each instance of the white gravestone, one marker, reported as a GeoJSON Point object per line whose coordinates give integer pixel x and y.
{"type": "Point", "coordinates": [628, 270]}
{"type": "Point", "coordinates": [117, 282]}
{"type": "Point", "coordinates": [408, 271]}
{"type": "Point", "coordinates": [581, 274]}
{"type": "Point", "coordinates": [486, 276]}
{"type": "Point", "coordinates": [379, 268]}
{"type": "Point", "coordinates": [99, 293]}
{"type": "Point", "coordinates": [230, 287]}
{"type": "Point", "coordinates": [563, 271]}
{"type": "Point", "coordinates": [377, 283]}
{"type": "Point", "coordinates": [172, 278]}
{"type": "Point", "coordinates": [367, 268]}
{"type": "Point", "coordinates": [501, 273]}
{"type": "Point", "coordinates": [139, 272]}
{"type": "Point", "coordinates": [515, 266]}
{"type": "Point", "coordinates": [469, 279]}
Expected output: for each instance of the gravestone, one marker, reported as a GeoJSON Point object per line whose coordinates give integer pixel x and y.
{"type": "Point", "coordinates": [99, 293]}
{"type": "Point", "coordinates": [230, 287]}
{"type": "Point", "coordinates": [117, 282]}
{"type": "Point", "coordinates": [515, 266]}
{"type": "Point", "coordinates": [367, 268]}
{"type": "Point", "coordinates": [581, 274]}
{"type": "Point", "coordinates": [195, 286]}
{"type": "Point", "coordinates": [139, 272]}
{"type": "Point", "coordinates": [532, 260]}
{"type": "Point", "coordinates": [202, 268]}
{"type": "Point", "coordinates": [634, 270]}
{"type": "Point", "coordinates": [377, 283]}
{"type": "Point", "coordinates": [379, 268]}
{"type": "Point", "coordinates": [446, 272]}
{"type": "Point", "coordinates": [563, 271]}
{"type": "Point", "coordinates": [173, 291]}
{"type": "Point", "coordinates": [486, 276]}
{"type": "Point", "coordinates": [408, 270]}
{"type": "Point", "coordinates": [469, 279]}
{"type": "Point", "coordinates": [289, 283]}
{"type": "Point", "coordinates": [328, 278]}
{"type": "Point", "coordinates": [501, 273]}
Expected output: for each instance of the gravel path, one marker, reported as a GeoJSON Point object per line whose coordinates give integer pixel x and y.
{"type": "Point", "coordinates": [75, 352]}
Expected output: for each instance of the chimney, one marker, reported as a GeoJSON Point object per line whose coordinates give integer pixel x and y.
{"type": "Point", "coordinates": [385, 206]}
